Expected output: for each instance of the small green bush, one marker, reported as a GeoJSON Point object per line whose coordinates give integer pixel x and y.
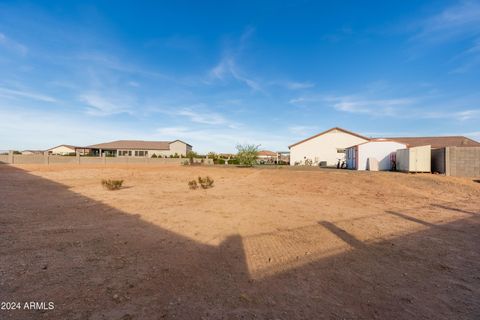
{"type": "Point", "coordinates": [112, 184]}
{"type": "Point", "coordinates": [154, 155]}
{"type": "Point", "coordinates": [218, 161]}
{"type": "Point", "coordinates": [192, 184]}
{"type": "Point", "coordinates": [233, 161]}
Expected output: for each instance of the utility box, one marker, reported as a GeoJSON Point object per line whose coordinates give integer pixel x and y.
{"type": "Point", "coordinates": [416, 159]}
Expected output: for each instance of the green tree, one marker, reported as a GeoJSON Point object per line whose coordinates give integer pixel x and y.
{"type": "Point", "coordinates": [212, 155]}
{"type": "Point", "coordinates": [191, 155]}
{"type": "Point", "coordinates": [247, 154]}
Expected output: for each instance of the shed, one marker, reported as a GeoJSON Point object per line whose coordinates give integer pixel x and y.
{"type": "Point", "coordinates": [416, 159]}
{"type": "Point", "coordinates": [381, 150]}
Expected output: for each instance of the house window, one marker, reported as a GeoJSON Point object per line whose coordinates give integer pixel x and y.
{"type": "Point", "coordinates": [141, 153]}
{"type": "Point", "coordinates": [340, 150]}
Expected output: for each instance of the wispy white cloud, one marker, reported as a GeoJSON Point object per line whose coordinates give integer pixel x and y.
{"type": "Point", "coordinates": [200, 114]}
{"type": "Point", "coordinates": [356, 104]}
{"type": "Point", "coordinates": [302, 131]}
{"type": "Point", "coordinates": [12, 45]}
{"type": "Point", "coordinates": [457, 21]}
{"type": "Point", "coordinates": [12, 93]}
{"type": "Point", "coordinates": [101, 105]}
{"type": "Point", "coordinates": [299, 85]}
{"type": "Point", "coordinates": [228, 66]}
{"type": "Point", "coordinates": [374, 103]}
{"type": "Point", "coordinates": [472, 57]}
{"type": "Point", "coordinates": [457, 115]}
{"type": "Point", "coordinates": [203, 117]}
{"type": "Point", "coordinates": [376, 107]}
{"type": "Point", "coordinates": [102, 60]}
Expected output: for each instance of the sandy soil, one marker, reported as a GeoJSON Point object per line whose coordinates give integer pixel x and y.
{"type": "Point", "coordinates": [261, 244]}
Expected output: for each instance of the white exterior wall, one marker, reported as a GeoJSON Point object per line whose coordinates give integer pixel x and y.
{"type": "Point", "coordinates": [417, 159]}
{"type": "Point", "coordinates": [324, 148]}
{"type": "Point", "coordinates": [379, 150]}
{"type": "Point", "coordinates": [62, 150]}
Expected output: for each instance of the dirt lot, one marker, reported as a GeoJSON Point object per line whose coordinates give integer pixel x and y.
{"type": "Point", "coordinates": [261, 244]}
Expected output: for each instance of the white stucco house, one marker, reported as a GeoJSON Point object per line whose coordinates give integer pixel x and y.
{"type": "Point", "coordinates": [325, 148]}
{"type": "Point", "coordinates": [141, 148]}
{"type": "Point", "coordinates": [381, 151]}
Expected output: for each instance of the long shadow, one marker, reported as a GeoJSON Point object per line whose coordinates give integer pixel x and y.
{"type": "Point", "coordinates": [344, 235]}
{"type": "Point", "coordinates": [97, 262]}
{"type": "Point", "coordinates": [453, 209]}
{"type": "Point", "coordinates": [413, 219]}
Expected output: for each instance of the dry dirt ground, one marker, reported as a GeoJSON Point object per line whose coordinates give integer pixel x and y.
{"type": "Point", "coordinates": [261, 244]}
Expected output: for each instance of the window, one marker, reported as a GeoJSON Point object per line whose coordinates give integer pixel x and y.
{"type": "Point", "coordinates": [340, 150]}
{"type": "Point", "coordinates": [141, 153]}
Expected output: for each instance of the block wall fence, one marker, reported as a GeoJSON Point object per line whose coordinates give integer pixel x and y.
{"type": "Point", "coordinates": [51, 159]}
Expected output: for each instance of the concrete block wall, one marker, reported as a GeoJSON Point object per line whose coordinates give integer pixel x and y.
{"type": "Point", "coordinates": [49, 159]}
{"type": "Point", "coordinates": [463, 161]}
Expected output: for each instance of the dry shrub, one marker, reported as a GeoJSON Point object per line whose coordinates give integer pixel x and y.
{"type": "Point", "coordinates": [112, 184]}
{"type": "Point", "coordinates": [206, 182]}
{"type": "Point", "coordinates": [192, 184]}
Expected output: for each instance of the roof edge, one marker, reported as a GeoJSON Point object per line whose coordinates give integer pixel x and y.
{"type": "Point", "coordinates": [327, 131]}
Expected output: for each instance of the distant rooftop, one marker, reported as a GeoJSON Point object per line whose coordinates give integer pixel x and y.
{"type": "Point", "coordinates": [437, 142]}
{"type": "Point", "coordinates": [134, 144]}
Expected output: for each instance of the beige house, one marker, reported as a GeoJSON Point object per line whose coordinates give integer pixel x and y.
{"type": "Point", "coordinates": [325, 148]}
{"type": "Point", "coordinates": [140, 148]}
{"type": "Point", "coordinates": [266, 156]}
{"type": "Point", "coordinates": [30, 152]}
{"type": "Point", "coordinates": [62, 150]}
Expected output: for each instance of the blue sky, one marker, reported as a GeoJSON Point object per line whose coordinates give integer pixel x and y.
{"type": "Point", "coordinates": [220, 73]}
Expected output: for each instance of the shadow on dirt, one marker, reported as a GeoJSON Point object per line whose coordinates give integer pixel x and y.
{"type": "Point", "coordinates": [97, 262]}
{"type": "Point", "coordinates": [453, 209]}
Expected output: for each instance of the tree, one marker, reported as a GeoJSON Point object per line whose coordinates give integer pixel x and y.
{"type": "Point", "coordinates": [247, 154]}
{"type": "Point", "coordinates": [191, 155]}
{"type": "Point", "coordinates": [212, 155]}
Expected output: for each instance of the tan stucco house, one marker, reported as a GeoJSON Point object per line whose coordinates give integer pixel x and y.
{"type": "Point", "coordinates": [62, 150]}
{"type": "Point", "coordinates": [140, 148]}
{"type": "Point", "coordinates": [325, 148]}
